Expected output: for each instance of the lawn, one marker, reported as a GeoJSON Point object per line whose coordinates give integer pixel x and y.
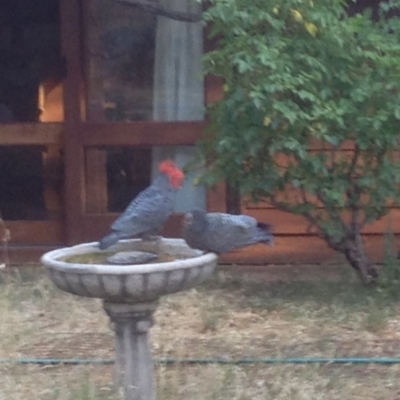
{"type": "Point", "coordinates": [228, 316]}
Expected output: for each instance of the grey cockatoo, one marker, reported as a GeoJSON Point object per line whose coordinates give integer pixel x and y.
{"type": "Point", "coordinates": [219, 232]}
{"type": "Point", "coordinates": [148, 211]}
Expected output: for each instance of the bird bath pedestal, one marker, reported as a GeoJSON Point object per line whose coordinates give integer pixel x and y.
{"type": "Point", "coordinates": [130, 295]}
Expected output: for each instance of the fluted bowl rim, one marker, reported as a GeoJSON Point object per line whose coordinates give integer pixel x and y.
{"type": "Point", "coordinates": [52, 259]}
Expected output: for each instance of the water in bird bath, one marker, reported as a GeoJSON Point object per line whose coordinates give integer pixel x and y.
{"type": "Point", "coordinates": [101, 257]}
{"type": "Point", "coordinates": [131, 253]}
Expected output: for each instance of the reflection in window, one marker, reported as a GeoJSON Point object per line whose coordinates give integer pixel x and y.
{"type": "Point", "coordinates": [179, 90]}
{"type": "Point", "coordinates": [120, 43]}
{"type": "Point", "coordinates": [31, 67]}
{"type": "Point", "coordinates": [147, 67]}
{"type": "Point", "coordinates": [114, 176]}
{"type": "Point", "coordinates": [128, 173]}
{"type": "Point", "coordinates": [142, 66]}
{"type": "Point", "coordinates": [30, 183]}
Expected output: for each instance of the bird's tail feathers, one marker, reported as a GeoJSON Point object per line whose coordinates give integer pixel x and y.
{"type": "Point", "coordinates": [266, 236]}
{"type": "Point", "coordinates": [265, 226]}
{"type": "Point", "coordinates": [109, 240]}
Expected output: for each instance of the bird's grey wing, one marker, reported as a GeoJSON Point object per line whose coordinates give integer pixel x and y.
{"type": "Point", "coordinates": [238, 223]}
{"type": "Point", "coordinates": [220, 232]}
{"type": "Point", "coordinates": [244, 221]}
{"type": "Point", "coordinates": [146, 212]}
{"type": "Point", "coordinates": [249, 231]}
{"type": "Point", "coordinates": [232, 231]}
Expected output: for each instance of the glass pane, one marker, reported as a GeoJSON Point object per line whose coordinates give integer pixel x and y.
{"type": "Point", "coordinates": [142, 66]}
{"type": "Point", "coordinates": [31, 181]}
{"type": "Point", "coordinates": [31, 66]}
{"type": "Point", "coordinates": [116, 174]}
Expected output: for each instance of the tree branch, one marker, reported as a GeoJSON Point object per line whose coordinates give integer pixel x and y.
{"type": "Point", "coordinates": [354, 160]}
{"type": "Point", "coordinates": [158, 9]}
{"type": "Point", "coordinates": [334, 214]}
{"type": "Point", "coordinates": [355, 208]}
{"type": "Point", "coordinates": [312, 219]}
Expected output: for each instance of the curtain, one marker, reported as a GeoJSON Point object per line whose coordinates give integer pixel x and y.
{"type": "Point", "coordinates": [179, 91]}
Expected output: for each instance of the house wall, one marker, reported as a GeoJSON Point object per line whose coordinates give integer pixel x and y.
{"type": "Point", "coordinates": [294, 243]}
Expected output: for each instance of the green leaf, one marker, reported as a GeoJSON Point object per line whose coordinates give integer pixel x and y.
{"type": "Point", "coordinates": [291, 88]}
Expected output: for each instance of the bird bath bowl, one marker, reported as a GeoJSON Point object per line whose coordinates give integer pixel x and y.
{"type": "Point", "coordinates": [130, 295]}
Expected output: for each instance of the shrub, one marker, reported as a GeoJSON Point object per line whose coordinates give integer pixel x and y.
{"type": "Point", "coordinates": [301, 73]}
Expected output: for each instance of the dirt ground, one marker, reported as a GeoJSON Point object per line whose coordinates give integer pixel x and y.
{"type": "Point", "coordinates": [288, 272]}
{"type": "Point", "coordinates": [279, 312]}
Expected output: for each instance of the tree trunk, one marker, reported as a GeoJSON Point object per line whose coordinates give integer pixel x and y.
{"type": "Point", "coordinates": [233, 200]}
{"type": "Point", "coordinates": [355, 254]}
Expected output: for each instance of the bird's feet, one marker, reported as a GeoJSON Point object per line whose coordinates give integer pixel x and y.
{"type": "Point", "coordinates": [154, 240]}
{"type": "Point", "coordinates": [151, 238]}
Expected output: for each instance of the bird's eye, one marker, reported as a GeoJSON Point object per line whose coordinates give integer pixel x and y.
{"type": "Point", "coordinates": [188, 219]}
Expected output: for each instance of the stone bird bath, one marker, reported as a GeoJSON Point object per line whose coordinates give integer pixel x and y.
{"type": "Point", "coordinates": [130, 296]}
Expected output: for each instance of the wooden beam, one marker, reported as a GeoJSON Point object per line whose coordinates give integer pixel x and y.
{"type": "Point", "coordinates": [96, 226]}
{"type": "Point", "coordinates": [285, 223]}
{"type": "Point", "coordinates": [96, 181]}
{"type": "Point", "coordinates": [216, 198]}
{"type": "Point", "coordinates": [31, 134]}
{"type": "Point", "coordinates": [70, 11]}
{"type": "Point", "coordinates": [213, 89]}
{"type": "Point", "coordinates": [289, 251]}
{"type": "Point", "coordinates": [300, 250]}
{"type": "Point", "coordinates": [52, 181]}
{"type": "Point", "coordinates": [22, 255]}
{"type": "Point", "coordinates": [292, 251]}
{"type": "Point", "coordinates": [141, 133]}
{"type": "Point", "coordinates": [50, 232]}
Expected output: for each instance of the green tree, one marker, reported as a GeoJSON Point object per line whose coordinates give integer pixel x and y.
{"type": "Point", "coordinates": [303, 72]}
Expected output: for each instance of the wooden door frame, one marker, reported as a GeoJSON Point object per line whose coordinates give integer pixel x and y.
{"type": "Point", "coordinates": [33, 232]}
{"type": "Point", "coordinates": [79, 134]}
{"type": "Point", "coordinates": [29, 238]}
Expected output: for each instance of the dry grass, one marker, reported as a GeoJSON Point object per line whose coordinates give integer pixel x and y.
{"type": "Point", "coordinates": [226, 317]}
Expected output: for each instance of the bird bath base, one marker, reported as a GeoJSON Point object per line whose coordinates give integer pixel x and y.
{"type": "Point", "coordinates": [133, 370]}
{"type": "Point", "coordinates": [130, 296]}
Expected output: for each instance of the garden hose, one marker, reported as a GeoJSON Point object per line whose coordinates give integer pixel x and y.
{"type": "Point", "coordinates": [211, 360]}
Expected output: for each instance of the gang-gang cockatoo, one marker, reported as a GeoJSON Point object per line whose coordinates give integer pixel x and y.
{"type": "Point", "coordinates": [220, 232]}
{"type": "Point", "coordinates": [146, 214]}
